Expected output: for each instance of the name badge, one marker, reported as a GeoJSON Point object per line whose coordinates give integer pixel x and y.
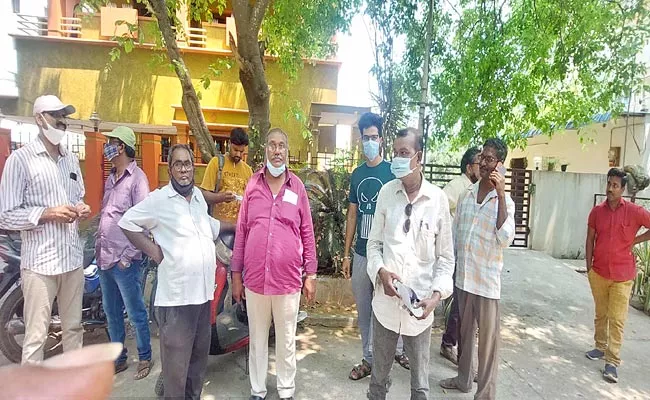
{"type": "Point", "coordinates": [290, 197]}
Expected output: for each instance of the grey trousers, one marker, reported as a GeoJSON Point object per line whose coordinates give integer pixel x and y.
{"type": "Point", "coordinates": [417, 350]}
{"type": "Point", "coordinates": [482, 313]}
{"type": "Point", "coordinates": [362, 289]}
{"type": "Point", "coordinates": [184, 346]}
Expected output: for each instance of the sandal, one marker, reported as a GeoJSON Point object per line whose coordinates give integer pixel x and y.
{"type": "Point", "coordinates": [403, 360]}
{"type": "Point", "coordinates": [360, 371]}
{"type": "Point", "coordinates": [144, 367]}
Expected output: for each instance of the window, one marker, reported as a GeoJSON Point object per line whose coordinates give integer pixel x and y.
{"type": "Point", "coordinates": [614, 156]}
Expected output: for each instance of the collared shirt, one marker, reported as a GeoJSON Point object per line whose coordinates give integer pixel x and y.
{"type": "Point", "coordinates": [131, 188]}
{"type": "Point", "coordinates": [454, 189]}
{"type": "Point", "coordinates": [32, 182]}
{"type": "Point", "coordinates": [186, 234]}
{"type": "Point", "coordinates": [423, 258]}
{"type": "Point", "coordinates": [479, 244]}
{"type": "Point", "coordinates": [615, 234]}
{"type": "Point", "coordinates": [274, 242]}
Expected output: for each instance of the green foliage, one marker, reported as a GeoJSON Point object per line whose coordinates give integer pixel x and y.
{"type": "Point", "coordinates": [641, 286]}
{"type": "Point", "coordinates": [328, 199]}
{"type": "Point", "coordinates": [395, 89]}
{"type": "Point", "coordinates": [297, 29]}
{"type": "Point", "coordinates": [524, 64]}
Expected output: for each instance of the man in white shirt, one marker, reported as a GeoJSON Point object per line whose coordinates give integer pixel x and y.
{"type": "Point", "coordinates": [410, 241]}
{"type": "Point", "coordinates": [184, 237]}
{"type": "Point", "coordinates": [470, 174]}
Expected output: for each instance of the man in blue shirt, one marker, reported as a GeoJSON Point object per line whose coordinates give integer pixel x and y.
{"type": "Point", "coordinates": [365, 183]}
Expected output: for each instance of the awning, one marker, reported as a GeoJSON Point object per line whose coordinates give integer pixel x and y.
{"type": "Point", "coordinates": [80, 125]}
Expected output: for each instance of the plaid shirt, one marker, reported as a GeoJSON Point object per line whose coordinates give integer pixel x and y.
{"type": "Point", "coordinates": [479, 244]}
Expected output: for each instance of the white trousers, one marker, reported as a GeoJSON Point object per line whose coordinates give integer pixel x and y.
{"type": "Point", "coordinates": [39, 292]}
{"type": "Point", "coordinates": [283, 310]}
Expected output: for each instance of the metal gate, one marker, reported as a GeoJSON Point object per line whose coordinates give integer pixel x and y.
{"type": "Point", "coordinates": [518, 184]}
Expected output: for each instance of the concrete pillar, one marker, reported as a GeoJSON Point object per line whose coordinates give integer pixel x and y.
{"type": "Point", "coordinates": [94, 176]}
{"type": "Point", "coordinates": [54, 13]}
{"type": "Point", "coordinates": [5, 147]}
{"type": "Point", "coordinates": [151, 151]}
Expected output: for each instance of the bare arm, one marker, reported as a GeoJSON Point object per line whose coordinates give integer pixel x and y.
{"type": "Point", "coordinates": [350, 228]}
{"type": "Point", "coordinates": [215, 198]}
{"type": "Point", "coordinates": [589, 247]}
{"type": "Point", "coordinates": [142, 242]}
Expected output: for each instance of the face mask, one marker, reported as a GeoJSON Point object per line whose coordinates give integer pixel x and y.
{"type": "Point", "coordinates": [53, 135]}
{"type": "Point", "coordinates": [371, 149]}
{"type": "Point", "coordinates": [183, 190]}
{"type": "Point", "coordinates": [401, 166]}
{"type": "Point", "coordinates": [275, 171]}
{"type": "Point", "coordinates": [110, 151]}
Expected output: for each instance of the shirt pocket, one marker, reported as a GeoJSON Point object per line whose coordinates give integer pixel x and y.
{"type": "Point", "coordinates": [426, 242]}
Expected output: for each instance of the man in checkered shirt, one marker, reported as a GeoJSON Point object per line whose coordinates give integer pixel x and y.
{"type": "Point", "coordinates": [484, 225]}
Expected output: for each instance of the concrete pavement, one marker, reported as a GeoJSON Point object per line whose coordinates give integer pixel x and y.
{"type": "Point", "coordinates": [546, 321]}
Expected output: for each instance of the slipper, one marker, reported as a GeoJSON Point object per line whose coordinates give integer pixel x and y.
{"type": "Point", "coordinates": [144, 367]}
{"type": "Point", "coordinates": [360, 371]}
{"type": "Point", "coordinates": [403, 360]}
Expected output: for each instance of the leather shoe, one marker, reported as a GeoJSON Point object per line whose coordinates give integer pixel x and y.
{"type": "Point", "coordinates": [256, 398]}
{"type": "Point", "coordinates": [287, 398]}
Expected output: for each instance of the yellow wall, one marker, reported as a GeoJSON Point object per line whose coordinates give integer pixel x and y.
{"type": "Point", "coordinates": [591, 155]}
{"type": "Point", "coordinates": [133, 91]}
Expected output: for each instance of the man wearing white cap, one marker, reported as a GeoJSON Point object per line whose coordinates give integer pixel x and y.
{"type": "Point", "coordinates": [41, 195]}
{"type": "Point", "coordinates": [119, 261]}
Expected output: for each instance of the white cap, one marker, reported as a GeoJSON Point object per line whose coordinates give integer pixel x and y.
{"type": "Point", "coordinates": [52, 103]}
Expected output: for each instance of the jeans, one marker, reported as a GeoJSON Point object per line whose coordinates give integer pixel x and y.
{"type": "Point", "coordinates": [123, 288]}
{"type": "Point", "coordinates": [362, 288]}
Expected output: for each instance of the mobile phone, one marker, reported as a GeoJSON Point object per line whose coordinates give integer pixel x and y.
{"type": "Point", "coordinates": [409, 299]}
{"type": "Point", "coordinates": [501, 169]}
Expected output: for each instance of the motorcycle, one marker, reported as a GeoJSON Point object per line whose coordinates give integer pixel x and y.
{"type": "Point", "coordinates": [12, 325]}
{"type": "Point", "coordinates": [229, 324]}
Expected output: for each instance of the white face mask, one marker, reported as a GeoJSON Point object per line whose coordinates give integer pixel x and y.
{"type": "Point", "coordinates": [53, 135]}
{"type": "Point", "coordinates": [275, 171]}
{"type": "Point", "coordinates": [401, 166]}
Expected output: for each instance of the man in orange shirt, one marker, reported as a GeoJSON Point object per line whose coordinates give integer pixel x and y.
{"type": "Point", "coordinates": [612, 232]}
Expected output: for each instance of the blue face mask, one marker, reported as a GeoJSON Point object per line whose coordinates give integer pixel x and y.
{"type": "Point", "coordinates": [275, 171]}
{"type": "Point", "coordinates": [401, 166]}
{"type": "Point", "coordinates": [371, 149]}
{"type": "Point", "coordinates": [110, 151]}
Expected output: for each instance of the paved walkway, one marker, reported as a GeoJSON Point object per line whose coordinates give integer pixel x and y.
{"type": "Point", "coordinates": [547, 318]}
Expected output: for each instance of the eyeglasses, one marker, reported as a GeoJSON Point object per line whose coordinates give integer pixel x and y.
{"type": "Point", "coordinates": [487, 159]}
{"type": "Point", "coordinates": [407, 223]}
{"type": "Point", "coordinates": [276, 147]}
{"type": "Point", "coordinates": [366, 138]}
{"type": "Point", "coordinates": [180, 166]}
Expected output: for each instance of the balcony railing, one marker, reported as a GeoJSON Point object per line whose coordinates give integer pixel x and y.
{"type": "Point", "coordinates": [32, 25]}
{"type": "Point", "coordinates": [70, 26]}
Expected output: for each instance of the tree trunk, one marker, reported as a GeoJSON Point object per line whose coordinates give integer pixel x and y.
{"type": "Point", "coordinates": [189, 100]}
{"type": "Point", "coordinates": [248, 19]}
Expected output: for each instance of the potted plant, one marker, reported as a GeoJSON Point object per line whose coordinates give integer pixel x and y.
{"type": "Point", "coordinates": [551, 164]}
{"type": "Point", "coordinates": [563, 165]}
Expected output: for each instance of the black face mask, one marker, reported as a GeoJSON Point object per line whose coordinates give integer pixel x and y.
{"type": "Point", "coordinates": [183, 190]}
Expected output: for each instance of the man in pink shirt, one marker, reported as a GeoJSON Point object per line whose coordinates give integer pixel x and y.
{"type": "Point", "coordinates": [274, 248]}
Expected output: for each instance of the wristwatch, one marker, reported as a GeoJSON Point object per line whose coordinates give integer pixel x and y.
{"type": "Point", "coordinates": [313, 276]}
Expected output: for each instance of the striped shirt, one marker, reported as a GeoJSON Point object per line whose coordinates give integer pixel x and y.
{"type": "Point", "coordinates": [479, 244]}
{"type": "Point", "coordinates": [423, 258]}
{"type": "Point", "coordinates": [31, 182]}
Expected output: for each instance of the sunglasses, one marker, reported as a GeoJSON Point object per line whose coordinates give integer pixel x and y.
{"type": "Point", "coordinates": [407, 223]}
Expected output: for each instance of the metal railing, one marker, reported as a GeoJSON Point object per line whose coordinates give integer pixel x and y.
{"type": "Point", "coordinates": [32, 25]}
